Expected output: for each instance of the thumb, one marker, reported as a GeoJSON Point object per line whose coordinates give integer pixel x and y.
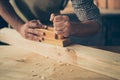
{"type": "Point", "coordinates": [52, 17]}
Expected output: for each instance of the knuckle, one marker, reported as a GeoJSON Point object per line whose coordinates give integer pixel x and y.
{"type": "Point", "coordinates": [32, 30]}
{"type": "Point", "coordinates": [58, 17]}
{"type": "Point", "coordinates": [34, 24]}
{"type": "Point", "coordinates": [36, 32]}
{"type": "Point", "coordinates": [27, 30]}
{"type": "Point", "coordinates": [41, 39]}
{"type": "Point", "coordinates": [67, 23]}
{"type": "Point", "coordinates": [55, 25]}
{"type": "Point", "coordinates": [34, 38]}
{"type": "Point", "coordinates": [65, 16]}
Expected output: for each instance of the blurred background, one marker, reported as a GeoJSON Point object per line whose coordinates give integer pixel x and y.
{"type": "Point", "coordinates": [110, 12]}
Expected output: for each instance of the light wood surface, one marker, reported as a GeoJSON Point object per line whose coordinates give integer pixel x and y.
{"type": "Point", "coordinates": [51, 38]}
{"type": "Point", "coordinates": [21, 64]}
{"type": "Point", "coordinates": [99, 61]}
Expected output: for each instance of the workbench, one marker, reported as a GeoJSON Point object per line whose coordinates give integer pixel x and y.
{"type": "Point", "coordinates": [29, 60]}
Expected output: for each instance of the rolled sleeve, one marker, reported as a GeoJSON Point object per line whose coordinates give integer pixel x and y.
{"type": "Point", "coordinates": [86, 10]}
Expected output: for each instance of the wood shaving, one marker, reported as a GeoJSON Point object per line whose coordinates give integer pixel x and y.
{"type": "Point", "coordinates": [21, 60]}
{"type": "Point", "coordinates": [46, 57]}
{"type": "Point", "coordinates": [62, 64]}
{"type": "Point", "coordinates": [47, 68]}
{"type": "Point", "coordinates": [34, 75]}
{"type": "Point", "coordinates": [61, 73]}
{"type": "Point", "coordinates": [71, 70]}
{"type": "Point", "coordinates": [67, 64]}
{"type": "Point", "coordinates": [42, 77]}
{"type": "Point", "coordinates": [54, 69]}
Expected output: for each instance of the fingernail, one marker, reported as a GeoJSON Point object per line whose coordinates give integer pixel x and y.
{"type": "Point", "coordinates": [42, 39]}
{"type": "Point", "coordinates": [39, 40]}
{"type": "Point", "coordinates": [43, 33]}
{"type": "Point", "coordinates": [45, 26]}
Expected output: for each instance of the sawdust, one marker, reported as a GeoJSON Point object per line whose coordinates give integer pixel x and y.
{"type": "Point", "coordinates": [34, 75]}
{"type": "Point", "coordinates": [21, 60]}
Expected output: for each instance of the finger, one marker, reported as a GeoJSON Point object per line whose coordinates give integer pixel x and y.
{"type": "Point", "coordinates": [32, 37]}
{"type": "Point", "coordinates": [28, 36]}
{"type": "Point", "coordinates": [61, 18]}
{"type": "Point", "coordinates": [35, 32]}
{"type": "Point", "coordinates": [58, 26]}
{"type": "Point", "coordinates": [52, 17]}
{"type": "Point", "coordinates": [66, 18]}
{"type": "Point", "coordinates": [66, 32]}
{"type": "Point", "coordinates": [38, 21]}
{"type": "Point", "coordinates": [66, 35]}
{"type": "Point", "coordinates": [41, 25]}
{"type": "Point", "coordinates": [34, 24]}
{"type": "Point", "coordinates": [41, 33]}
{"type": "Point", "coordinates": [37, 24]}
{"type": "Point", "coordinates": [58, 18]}
{"type": "Point", "coordinates": [32, 31]}
{"type": "Point", "coordinates": [35, 38]}
{"type": "Point", "coordinates": [61, 25]}
{"type": "Point", "coordinates": [44, 26]}
{"type": "Point", "coordinates": [41, 39]}
{"type": "Point", "coordinates": [59, 32]}
{"type": "Point", "coordinates": [67, 24]}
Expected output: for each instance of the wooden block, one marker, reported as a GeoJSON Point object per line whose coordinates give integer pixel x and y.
{"type": "Point", "coordinates": [49, 33]}
{"type": "Point", "coordinates": [56, 36]}
{"type": "Point", "coordinates": [59, 42]}
{"type": "Point", "coordinates": [52, 38]}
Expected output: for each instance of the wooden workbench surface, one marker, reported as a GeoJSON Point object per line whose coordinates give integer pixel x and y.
{"type": "Point", "coordinates": [27, 56]}
{"type": "Point", "coordinates": [20, 64]}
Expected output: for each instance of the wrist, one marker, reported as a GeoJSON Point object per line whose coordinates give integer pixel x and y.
{"type": "Point", "coordinates": [19, 25]}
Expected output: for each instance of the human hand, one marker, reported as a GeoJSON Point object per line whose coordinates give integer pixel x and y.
{"type": "Point", "coordinates": [29, 30]}
{"type": "Point", "coordinates": [61, 25]}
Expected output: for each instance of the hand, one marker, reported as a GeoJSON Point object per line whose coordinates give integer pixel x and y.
{"type": "Point", "coordinates": [61, 25]}
{"type": "Point", "coordinates": [29, 30]}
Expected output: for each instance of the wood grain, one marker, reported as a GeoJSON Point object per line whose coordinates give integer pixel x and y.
{"type": "Point", "coordinates": [21, 64]}
{"type": "Point", "coordinates": [52, 38]}
{"type": "Point", "coordinates": [99, 61]}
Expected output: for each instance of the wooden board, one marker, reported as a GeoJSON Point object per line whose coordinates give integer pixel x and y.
{"type": "Point", "coordinates": [20, 64]}
{"type": "Point", "coordinates": [51, 38]}
{"type": "Point", "coordinates": [49, 33]}
{"type": "Point", "coordinates": [100, 61]}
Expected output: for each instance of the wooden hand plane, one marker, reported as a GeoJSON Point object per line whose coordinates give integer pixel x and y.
{"type": "Point", "coordinates": [52, 38]}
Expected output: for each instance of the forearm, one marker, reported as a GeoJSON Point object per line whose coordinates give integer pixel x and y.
{"type": "Point", "coordinates": [89, 16]}
{"type": "Point", "coordinates": [84, 28]}
{"type": "Point", "coordinates": [8, 13]}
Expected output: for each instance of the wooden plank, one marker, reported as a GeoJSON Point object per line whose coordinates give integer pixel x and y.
{"type": "Point", "coordinates": [21, 64]}
{"type": "Point", "coordinates": [100, 61]}
{"type": "Point", "coordinates": [49, 33]}
{"type": "Point", "coordinates": [62, 42]}
{"type": "Point", "coordinates": [52, 38]}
